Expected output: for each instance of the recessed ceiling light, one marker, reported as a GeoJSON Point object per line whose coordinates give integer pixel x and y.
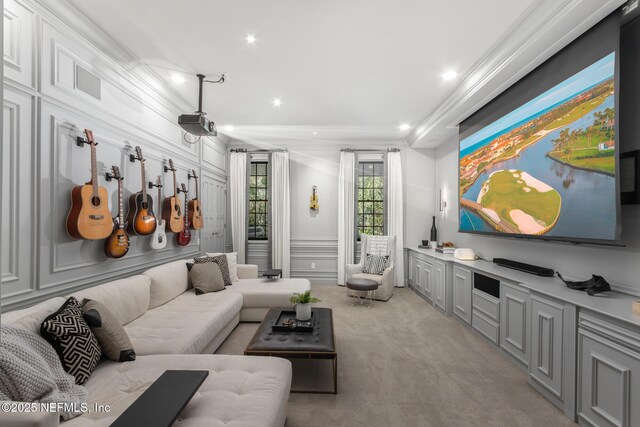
{"type": "Point", "coordinates": [229, 128]}
{"type": "Point", "coordinates": [404, 126]}
{"type": "Point", "coordinates": [315, 133]}
{"type": "Point", "coordinates": [251, 39]}
{"type": "Point", "coordinates": [277, 102]}
{"type": "Point", "coordinates": [177, 78]}
{"type": "Point", "coordinates": [449, 75]}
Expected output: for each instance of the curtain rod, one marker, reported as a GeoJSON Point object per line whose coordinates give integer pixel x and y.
{"type": "Point", "coordinates": [244, 150]}
{"type": "Point", "coordinates": [370, 150]}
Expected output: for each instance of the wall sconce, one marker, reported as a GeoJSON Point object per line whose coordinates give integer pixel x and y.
{"type": "Point", "coordinates": [443, 202]}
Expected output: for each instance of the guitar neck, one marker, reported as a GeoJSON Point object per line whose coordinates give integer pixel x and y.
{"type": "Point", "coordinates": [175, 184]}
{"type": "Point", "coordinates": [144, 187]}
{"type": "Point", "coordinates": [197, 190]}
{"type": "Point", "coordinates": [120, 208]}
{"type": "Point", "coordinates": [159, 201]}
{"type": "Point", "coordinates": [186, 209]}
{"type": "Point", "coordinates": [94, 171]}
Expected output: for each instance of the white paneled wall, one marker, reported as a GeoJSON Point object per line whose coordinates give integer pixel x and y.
{"type": "Point", "coordinates": [56, 83]}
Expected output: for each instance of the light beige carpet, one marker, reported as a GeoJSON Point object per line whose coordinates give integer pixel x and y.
{"type": "Point", "coordinates": [402, 363]}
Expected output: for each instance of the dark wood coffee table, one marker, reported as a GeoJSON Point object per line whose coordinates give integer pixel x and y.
{"type": "Point", "coordinates": [319, 344]}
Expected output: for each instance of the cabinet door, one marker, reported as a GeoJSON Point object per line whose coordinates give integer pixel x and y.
{"type": "Point", "coordinates": [609, 374]}
{"type": "Point", "coordinates": [439, 280]}
{"type": "Point", "coordinates": [514, 307]}
{"type": "Point", "coordinates": [462, 288]}
{"type": "Point", "coordinates": [411, 267]}
{"type": "Point", "coordinates": [546, 345]}
{"type": "Point", "coordinates": [427, 279]}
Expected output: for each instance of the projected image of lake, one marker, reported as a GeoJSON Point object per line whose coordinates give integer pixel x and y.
{"type": "Point", "coordinates": [547, 168]}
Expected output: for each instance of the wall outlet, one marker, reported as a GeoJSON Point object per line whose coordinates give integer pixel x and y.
{"type": "Point", "coordinates": [313, 265]}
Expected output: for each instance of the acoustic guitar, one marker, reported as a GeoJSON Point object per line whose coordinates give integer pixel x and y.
{"type": "Point", "coordinates": [117, 245]}
{"type": "Point", "coordinates": [141, 219]}
{"type": "Point", "coordinates": [89, 217]}
{"type": "Point", "coordinates": [159, 238]}
{"type": "Point", "coordinates": [194, 208]}
{"type": "Point", "coordinates": [172, 208]}
{"type": "Point", "coordinates": [313, 200]}
{"type": "Point", "coordinates": [184, 237]}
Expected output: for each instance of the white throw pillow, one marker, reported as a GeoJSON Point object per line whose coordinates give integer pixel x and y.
{"type": "Point", "coordinates": [232, 260]}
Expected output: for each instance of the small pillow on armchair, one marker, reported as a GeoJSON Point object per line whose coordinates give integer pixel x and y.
{"type": "Point", "coordinates": [375, 264]}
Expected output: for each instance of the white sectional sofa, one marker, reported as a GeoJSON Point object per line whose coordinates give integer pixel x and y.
{"type": "Point", "coordinates": [171, 327]}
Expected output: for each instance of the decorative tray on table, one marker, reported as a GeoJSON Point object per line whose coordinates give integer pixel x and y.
{"type": "Point", "coordinates": [287, 322]}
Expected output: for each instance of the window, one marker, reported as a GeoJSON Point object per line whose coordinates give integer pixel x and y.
{"type": "Point", "coordinates": [258, 201]}
{"type": "Point", "coordinates": [370, 205]}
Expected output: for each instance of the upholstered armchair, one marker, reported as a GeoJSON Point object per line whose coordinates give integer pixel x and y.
{"type": "Point", "coordinates": [386, 281]}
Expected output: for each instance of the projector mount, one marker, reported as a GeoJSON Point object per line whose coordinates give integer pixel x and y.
{"type": "Point", "coordinates": [197, 124]}
{"type": "Point", "coordinates": [201, 80]}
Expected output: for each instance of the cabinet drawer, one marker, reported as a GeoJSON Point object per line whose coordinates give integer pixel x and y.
{"type": "Point", "coordinates": [486, 327]}
{"type": "Point", "coordinates": [488, 305]}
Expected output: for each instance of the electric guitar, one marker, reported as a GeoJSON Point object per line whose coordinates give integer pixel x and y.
{"type": "Point", "coordinates": [141, 218]}
{"type": "Point", "coordinates": [195, 211]}
{"type": "Point", "coordinates": [117, 245]}
{"type": "Point", "coordinates": [172, 208]}
{"type": "Point", "coordinates": [89, 217]}
{"type": "Point", "coordinates": [159, 238]}
{"type": "Point", "coordinates": [184, 237]}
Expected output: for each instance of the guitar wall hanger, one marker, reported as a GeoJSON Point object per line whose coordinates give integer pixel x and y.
{"type": "Point", "coordinates": [191, 176]}
{"type": "Point", "coordinates": [80, 141]}
{"type": "Point", "coordinates": [183, 189]}
{"type": "Point", "coordinates": [132, 158]}
{"type": "Point", "coordinates": [166, 168]}
{"type": "Point", "coordinates": [109, 176]}
{"type": "Point", "coordinates": [152, 185]}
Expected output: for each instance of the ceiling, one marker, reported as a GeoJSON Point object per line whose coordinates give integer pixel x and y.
{"type": "Point", "coordinates": [352, 70]}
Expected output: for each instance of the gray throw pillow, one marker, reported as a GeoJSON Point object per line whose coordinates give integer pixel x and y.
{"type": "Point", "coordinates": [221, 260]}
{"type": "Point", "coordinates": [206, 277]}
{"type": "Point", "coordinates": [111, 336]}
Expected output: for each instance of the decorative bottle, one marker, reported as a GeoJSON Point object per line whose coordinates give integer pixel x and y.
{"type": "Point", "coordinates": [434, 231]}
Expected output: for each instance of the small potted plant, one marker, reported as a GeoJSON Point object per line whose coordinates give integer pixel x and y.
{"type": "Point", "coordinates": [302, 304]}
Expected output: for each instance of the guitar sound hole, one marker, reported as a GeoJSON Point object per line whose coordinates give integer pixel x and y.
{"type": "Point", "coordinates": [145, 205]}
{"type": "Point", "coordinates": [177, 208]}
{"type": "Point", "coordinates": [95, 201]}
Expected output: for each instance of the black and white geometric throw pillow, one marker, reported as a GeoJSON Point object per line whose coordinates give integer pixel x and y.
{"type": "Point", "coordinates": [221, 260]}
{"type": "Point", "coordinates": [69, 334]}
{"type": "Point", "coordinates": [375, 264]}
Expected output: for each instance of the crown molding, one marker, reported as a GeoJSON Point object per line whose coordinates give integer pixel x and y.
{"type": "Point", "coordinates": [90, 32]}
{"type": "Point", "coordinates": [541, 31]}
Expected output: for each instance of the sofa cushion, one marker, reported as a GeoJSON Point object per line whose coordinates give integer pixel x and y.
{"type": "Point", "coordinates": [72, 339]}
{"type": "Point", "coordinates": [184, 325]}
{"type": "Point", "coordinates": [111, 336]}
{"type": "Point", "coordinates": [31, 318]}
{"type": "Point", "coordinates": [259, 293]}
{"type": "Point", "coordinates": [167, 282]}
{"type": "Point", "coordinates": [240, 391]}
{"type": "Point", "coordinates": [127, 299]}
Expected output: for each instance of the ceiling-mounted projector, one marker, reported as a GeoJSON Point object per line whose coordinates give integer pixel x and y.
{"type": "Point", "coordinates": [196, 123]}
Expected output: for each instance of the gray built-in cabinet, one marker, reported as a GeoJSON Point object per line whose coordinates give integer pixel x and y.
{"type": "Point", "coordinates": [582, 353]}
{"type": "Point", "coordinates": [429, 277]}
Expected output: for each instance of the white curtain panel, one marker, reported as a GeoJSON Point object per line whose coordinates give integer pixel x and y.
{"type": "Point", "coordinates": [238, 199]}
{"type": "Point", "coordinates": [280, 212]}
{"type": "Point", "coordinates": [395, 220]}
{"type": "Point", "coordinates": [346, 213]}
